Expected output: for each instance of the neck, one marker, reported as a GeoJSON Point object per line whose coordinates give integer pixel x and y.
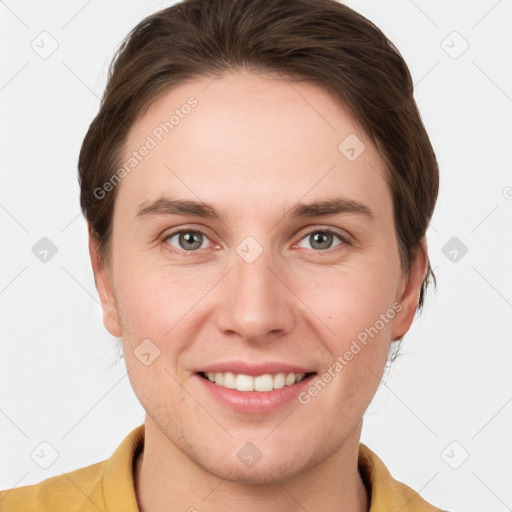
{"type": "Point", "coordinates": [165, 478]}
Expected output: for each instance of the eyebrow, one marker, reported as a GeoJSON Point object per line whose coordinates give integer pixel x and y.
{"type": "Point", "coordinates": [169, 206]}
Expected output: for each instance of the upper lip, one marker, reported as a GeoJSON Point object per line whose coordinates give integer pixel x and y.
{"type": "Point", "coordinates": [252, 368]}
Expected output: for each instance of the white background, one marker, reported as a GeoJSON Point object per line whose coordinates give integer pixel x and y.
{"type": "Point", "coordinates": [60, 379]}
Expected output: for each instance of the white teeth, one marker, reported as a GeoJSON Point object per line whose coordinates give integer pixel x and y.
{"type": "Point", "coordinates": [244, 383]}
{"type": "Point", "coordinates": [279, 380]}
{"type": "Point", "coordinates": [266, 382]}
{"type": "Point", "coordinates": [229, 380]}
{"type": "Point", "coordinates": [290, 379]}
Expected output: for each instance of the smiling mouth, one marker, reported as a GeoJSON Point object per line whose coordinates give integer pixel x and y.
{"type": "Point", "coordinates": [262, 383]}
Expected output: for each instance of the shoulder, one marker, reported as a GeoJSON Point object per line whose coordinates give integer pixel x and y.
{"type": "Point", "coordinates": [106, 485]}
{"type": "Point", "coordinates": [384, 491]}
{"type": "Point", "coordinates": [62, 492]}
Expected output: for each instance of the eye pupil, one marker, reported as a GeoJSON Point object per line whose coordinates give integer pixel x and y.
{"type": "Point", "coordinates": [322, 239]}
{"type": "Point", "coordinates": [190, 237]}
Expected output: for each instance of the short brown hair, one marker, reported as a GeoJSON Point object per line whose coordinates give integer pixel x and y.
{"type": "Point", "coordinates": [321, 41]}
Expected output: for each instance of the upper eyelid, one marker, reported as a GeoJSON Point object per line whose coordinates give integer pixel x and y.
{"type": "Point", "coordinates": [343, 233]}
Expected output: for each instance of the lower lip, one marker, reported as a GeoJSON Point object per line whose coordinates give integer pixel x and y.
{"type": "Point", "coordinates": [255, 401]}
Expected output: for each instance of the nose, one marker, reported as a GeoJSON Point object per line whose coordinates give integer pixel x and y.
{"type": "Point", "coordinates": [255, 302]}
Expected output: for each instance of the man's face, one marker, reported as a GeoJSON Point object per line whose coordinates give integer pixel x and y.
{"type": "Point", "coordinates": [259, 285]}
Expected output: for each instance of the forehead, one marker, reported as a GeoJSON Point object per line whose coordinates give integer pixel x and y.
{"type": "Point", "coordinates": [254, 140]}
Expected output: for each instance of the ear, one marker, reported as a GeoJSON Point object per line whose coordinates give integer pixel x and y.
{"type": "Point", "coordinates": [409, 293]}
{"type": "Point", "coordinates": [104, 287]}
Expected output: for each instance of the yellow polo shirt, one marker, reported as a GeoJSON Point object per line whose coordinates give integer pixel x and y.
{"type": "Point", "coordinates": [108, 486]}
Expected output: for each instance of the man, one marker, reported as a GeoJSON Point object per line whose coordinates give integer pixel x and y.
{"type": "Point", "coordinates": [258, 241]}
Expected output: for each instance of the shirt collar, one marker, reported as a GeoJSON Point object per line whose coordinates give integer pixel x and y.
{"type": "Point", "coordinates": [384, 492]}
{"type": "Point", "coordinates": [118, 481]}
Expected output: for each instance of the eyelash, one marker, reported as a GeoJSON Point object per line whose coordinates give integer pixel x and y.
{"type": "Point", "coordinates": [174, 250]}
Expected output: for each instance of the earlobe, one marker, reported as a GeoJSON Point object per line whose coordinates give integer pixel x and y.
{"type": "Point", "coordinates": [104, 287]}
{"type": "Point", "coordinates": [409, 297]}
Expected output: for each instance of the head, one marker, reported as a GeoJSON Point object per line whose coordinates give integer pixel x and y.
{"type": "Point", "coordinates": [222, 123]}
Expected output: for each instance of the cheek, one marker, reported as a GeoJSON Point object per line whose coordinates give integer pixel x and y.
{"type": "Point", "coordinates": [156, 307]}
{"type": "Point", "coordinates": [155, 301]}
{"type": "Point", "coordinates": [347, 300]}
{"type": "Point", "coordinates": [353, 316]}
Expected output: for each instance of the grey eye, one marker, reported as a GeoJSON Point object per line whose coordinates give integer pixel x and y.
{"type": "Point", "coordinates": [187, 240]}
{"type": "Point", "coordinates": [321, 240]}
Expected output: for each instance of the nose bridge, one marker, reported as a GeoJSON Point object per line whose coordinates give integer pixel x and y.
{"type": "Point", "coordinates": [255, 303]}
